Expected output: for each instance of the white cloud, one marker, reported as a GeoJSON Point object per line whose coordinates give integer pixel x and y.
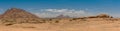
{"type": "Point", "coordinates": [116, 15]}
{"type": "Point", "coordinates": [56, 12]}
{"type": "Point", "coordinates": [1, 9]}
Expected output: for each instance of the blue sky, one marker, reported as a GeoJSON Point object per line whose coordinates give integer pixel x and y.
{"type": "Point", "coordinates": [90, 7]}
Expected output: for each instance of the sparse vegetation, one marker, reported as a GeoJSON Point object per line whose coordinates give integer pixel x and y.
{"type": "Point", "coordinates": [56, 21]}
{"type": "Point", "coordinates": [8, 24]}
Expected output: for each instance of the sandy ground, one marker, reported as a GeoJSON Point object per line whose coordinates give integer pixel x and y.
{"type": "Point", "coordinates": [69, 26]}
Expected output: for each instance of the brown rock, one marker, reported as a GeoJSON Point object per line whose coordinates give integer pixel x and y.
{"type": "Point", "coordinates": [100, 16]}
{"type": "Point", "coordinates": [0, 16]}
{"type": "Point", "coordinates": [92, 17]}
{"type": "Point", "coordinates": [104, 16]}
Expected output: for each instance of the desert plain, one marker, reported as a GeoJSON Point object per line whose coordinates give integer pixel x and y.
{"type": "Point", "coordinates": [19, 20]}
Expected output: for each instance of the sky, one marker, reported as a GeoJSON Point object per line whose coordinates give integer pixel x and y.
{"type": "Point", "coordinates": [72, 8]}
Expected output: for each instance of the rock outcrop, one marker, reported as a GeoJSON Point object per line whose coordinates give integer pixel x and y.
{"type": "Point", "coordinates": [99, 16]}
{"type": "Point", "coordinates": [104, 16]}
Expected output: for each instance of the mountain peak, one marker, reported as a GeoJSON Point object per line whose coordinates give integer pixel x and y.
{"type": "Point", "coordinates": [18, 13]}
{"type": "Point", "coordinates": [62, 16]}
{"type": "Point", "coordinates": [15, 9]}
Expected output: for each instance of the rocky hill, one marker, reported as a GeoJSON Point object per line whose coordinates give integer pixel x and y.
{"type": "Point", "coordinates": [16, 15]}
